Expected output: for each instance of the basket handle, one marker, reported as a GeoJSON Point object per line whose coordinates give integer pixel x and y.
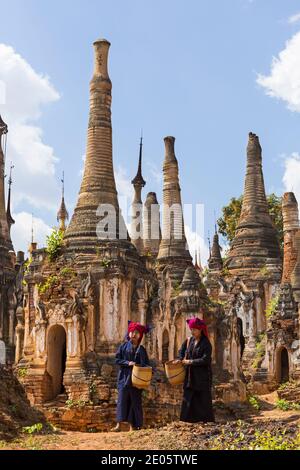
{"type": "Point", "coordinates": [139, 378]}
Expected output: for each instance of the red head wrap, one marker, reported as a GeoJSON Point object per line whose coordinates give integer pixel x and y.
{"type": "Point", "coordinates": [135, 326]}
{"type": "Point", "coordinates": [197, 324]}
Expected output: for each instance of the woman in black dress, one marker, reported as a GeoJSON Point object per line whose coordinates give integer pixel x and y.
{"type": "Point", "coordinates": [195, 354]}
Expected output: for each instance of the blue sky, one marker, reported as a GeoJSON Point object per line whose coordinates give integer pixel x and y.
{"type": "Point", "coordinates": [187, 69]}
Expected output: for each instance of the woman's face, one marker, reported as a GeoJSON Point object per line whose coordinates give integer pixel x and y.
{"type": "Point", "coordinates": [134, 336]}
{"type": "Point", "coordinates": [196, 333]}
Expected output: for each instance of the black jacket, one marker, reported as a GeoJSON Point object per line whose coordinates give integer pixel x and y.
{"type": "Point", "coordinates": [198, 375]}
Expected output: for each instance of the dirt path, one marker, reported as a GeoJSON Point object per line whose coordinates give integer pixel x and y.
{"type": "Point", "coordinates": [285, 425]}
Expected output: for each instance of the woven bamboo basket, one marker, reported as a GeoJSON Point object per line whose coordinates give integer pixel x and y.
{"type": "Point", "coordinates": [175, 372]}
{"type": "Point", "coordinates": [141, 376]}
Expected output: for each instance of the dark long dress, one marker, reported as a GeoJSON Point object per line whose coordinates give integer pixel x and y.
{"type": "Point", "coordinates": [129, 407]}
{"type": "Point", "coordinates": [197, 399]}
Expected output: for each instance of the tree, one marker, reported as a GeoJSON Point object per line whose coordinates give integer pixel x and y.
{"type": "Point", "coordinates": [231, 213]}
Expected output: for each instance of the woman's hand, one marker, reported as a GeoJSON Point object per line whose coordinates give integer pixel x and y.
{"type": "Point", "coordinates": [131, 363]}
{"type": "Point", "coordinates": [187, 362]}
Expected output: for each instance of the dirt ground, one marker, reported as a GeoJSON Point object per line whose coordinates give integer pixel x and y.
{"type": "Point", "coordinates": [268, 428]}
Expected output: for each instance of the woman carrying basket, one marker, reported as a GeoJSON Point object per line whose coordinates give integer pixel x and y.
{"type": "Point", "coordinates": [195, 353]}
{"type": "Point", "coordinates": [129, 407]}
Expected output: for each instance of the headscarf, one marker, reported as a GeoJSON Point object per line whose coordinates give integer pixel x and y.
{"type": "Point", "coordinates": [196, 323]}
{"type": "Point", "coordinates": [132, 326]}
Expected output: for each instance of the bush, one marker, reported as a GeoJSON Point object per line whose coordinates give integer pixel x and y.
{"type": "Point", "coordinates": [285, 405]}
{"type": "Point", "coordinates": [54, 244]}
{"type": "Point", "coordinates": [35, 428]}
{"type": "Point", "coordinates": [254, 402]}
{"type": "Point", "coordinates": [271, 307]}
{"type": "Point", "coordinates": [260, 350]}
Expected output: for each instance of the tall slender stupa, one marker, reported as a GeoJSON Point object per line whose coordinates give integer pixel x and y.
{"type": "Point", "coordinates": [97, 201]}
{"type": "Point", "coordinates": [255, 244]}
{"type": "Point", "coordinates": [138, 183]}
{"type": "Point", "coordinates": [5, 240]}
{"type": "Point", "coordinates": [173, 243]}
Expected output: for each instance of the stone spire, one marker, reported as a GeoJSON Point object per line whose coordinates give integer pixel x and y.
{"type": "Point", "coordinates": [196, 261]}
{"type": "Point", "coordinates": [295, 276]}
{"type": "Point", "coordinates": [33, 245]}
{"type": "Point", "coordinates": [97, 219]}
{"type": "Point", "coordinates": [173, 243]}
{"type": "Point", "coordinates": [62, 214]}
{"type": "Point", "coordinates": [215, 261]}
{"type": "Point", "coordinates": [290, 227]}
{"type": "Point", "coordinates": [137, 207]}
{"type": "Point", "coordinates": [5, 240]}
{"type": "Point", "coordinates": [152, 231]}
{"type": "Point", "coordinates": [255, 244]}
{"type": "Point", "coordinates": [9, 217]}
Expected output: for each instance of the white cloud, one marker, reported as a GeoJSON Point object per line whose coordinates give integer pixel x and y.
{"type": "Point", "coordinates": [291, 177]}
{"type": "Point", "coordinates": [155, 172]}
{"type": "Point", "coordinates": [26, 92]}
{"type": "Point", "coordinates": [294, 18]}
{"type": "Point", "coordinates": [123, 183]}
{"type": "Point", "coordinates": [125, 193]}
{"type": "Point", "coordinates": [283, 82]}
{"type": "Point", "coordinates": [21, 231]}
{"type": "Point", "coordinates": [81, 171]}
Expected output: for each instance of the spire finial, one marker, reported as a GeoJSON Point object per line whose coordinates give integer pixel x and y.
{"type": "Point", "coordinates": [63, 184]}
{"type": "Point", "coordinates": [139, 181]}
{"type": "Point", "coordinates": [10, 173]}
{"type": "Point", "coordinates": [62, 214]}
{"type": "Point", "coordinates": [9, 218]}
{"type": "Point", "coordinates": [209, 245]}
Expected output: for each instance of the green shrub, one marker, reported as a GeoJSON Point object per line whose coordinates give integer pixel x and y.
{"type": "Point", "coordinates": [35, 428]}
{"type": "Point", "coordinates": [54, 244]}
{"type": "Point", "coordinates": [260, 350]}
{"type": "Point", "coordinates": [22, 372]}
{"type": "Point", "coordinates": [254, 402]}
{"type": "Point", "coordinates": [50, 282]}
{"type": "Point", "coordinates": [78, 403]}
{"type": "Point", "coordinates": [105, 262]}
{"type": "Point", "coordinates": [285, 405]}
{"type": "Point", "coordinates": [271, 307]}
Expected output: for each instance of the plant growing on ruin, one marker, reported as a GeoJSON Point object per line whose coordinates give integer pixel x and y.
{"type": "Point", "coordinates": [34, 429]}
{"type": "Point", "coordinates": [54, 244]}
{"type": "Point", "coordinates": [264, 271]}
{"type": "Point", "coordinates": [260, 350]}
{"type": "Point", "coordinates": [254, 402]}
{"type": "Point", "coordinates": [176, 288]}
{"type": "Point", "coordinates": [225, 271]}
{"type": "Point", "coordinates": [291, 384]}
{"type": "Point", "coordinates": [105, 262]}
{"type": "Point", "coordinates": [26, 271]}
{"type": "Point", "coordinates": [271, 307]}
{"type": "Point", "coordinates": [78, 403]}
{"type": "Point", "coordinates": [22, 372]}
{"type": "Point", "coordinates": [92, 390]}
{"type": "Point", "coordinates": [204, 273]}
{"type": "Point", "coordinates": [65, 272]}
{"type": "Point", "coordinates": [50, 282]}
{"type": "Point", "coordinates": [286, 405]}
